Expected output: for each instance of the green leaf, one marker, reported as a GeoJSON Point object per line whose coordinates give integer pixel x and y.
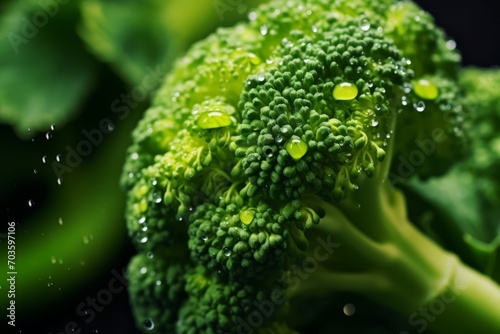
{"type": "Point", "coordinates": [47, 73]}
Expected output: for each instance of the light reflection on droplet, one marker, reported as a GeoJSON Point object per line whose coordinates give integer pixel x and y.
{"type": "Point", "coordinates": [419, 106]}
{"type": "Point", "coordinates": [263, 30]}
{"type": "Point", "coordinates": [365, 25]}
{"type": "Point", "coordinates": [349, 309]}
{"type": "Point", "coordinates": [252, 16]}
{"type": "Point", "coordinates": [451, 45]}
{"type": "Point", "coordinates": [149, 325]}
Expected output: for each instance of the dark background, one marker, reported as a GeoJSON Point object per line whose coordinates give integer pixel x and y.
{"type": "Point", "coordinates": [474, 25]}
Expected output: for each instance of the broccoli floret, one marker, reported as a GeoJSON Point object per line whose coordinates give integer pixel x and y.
{"type": "Point", "coordinates": [222, 305]}
{"type": "Point", "coordinates": [275, 135]}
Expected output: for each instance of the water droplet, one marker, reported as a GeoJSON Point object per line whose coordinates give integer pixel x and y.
{"type": "Point", "coordinates": [406, 87]}
{"type": "Point", "coordinates": [213, 120]}
{"type": "Point", "coordinates": [261, 77]}
{"type": "Point", "coordinates": [34, 171]}
{"type": "Point", "coordinates": [157, 197]}
{"type": "Point", "coordinates": [451, 45]}
{"type": "Point", "coordinates": [204, 237]}
{"type": "Point", "coordinates": [143, 270]}
{"type": "Point", "coordinates": [419, 106]}
{"type": "Point", "coordinates": [425, 89]}
{"type": "Point", "coordinates": [149, 325]}
{"type": "Point", "coordinates": [53, 260]}
{"type": "Point", "coordinates": [48, 135]}
{"type": "Point", "coordinates": [296, 148]}
{"type": "Point", "coordinates": [263, 29]}
{"type": "Point", "coordinates": [111, 127]}
{"type": "Point", "coordinates": [158, 282]}
{"type": "Point", "coordinates": [58, 158]}
{"type": "Point", "coordinates": [144, 240]}
{"type": "Point", "coordinates": [59, 181]}
{"type": "Point", "coordinates": [142, 220]}
{"type": "Point", "coordinates": [31, 202]}
{"type": "Point", "coordinates": [345, 91]}
{"type": "Point", "coordinates": [365, 25]}
{"type": "Point", "coordinates": [246, 217]}
{"type": "Point", "coordinates": [314, 29]}
{"type": "Point", "coordinates": [278, 139]}
{"type": "Point", "coordinates": [227, 251]}
{"type": "Point", "coordinates": [374, 122]}
{"type": "Point", "coordinates": [349, 309]}
{"type": "Point", "coordinates": [61, 221]}
{"type": "Point", "coordinates": [404, 100]}
{"type": "Point", "coordinates": [52, 127]}
{"type": "Point", "coordinates": [252, 16]}
{"type": "Point", "coordinates": [44, 159]}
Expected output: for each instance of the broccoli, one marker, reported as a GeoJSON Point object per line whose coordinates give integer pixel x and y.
{"type": "Point", "coordinates": [278, 144]}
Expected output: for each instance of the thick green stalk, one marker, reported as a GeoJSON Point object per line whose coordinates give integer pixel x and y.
{"type": "Point", "coordinates": [402, 268]}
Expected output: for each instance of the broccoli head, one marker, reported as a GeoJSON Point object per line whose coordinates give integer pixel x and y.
{"type": "Point", "coordinates": [268, 137]}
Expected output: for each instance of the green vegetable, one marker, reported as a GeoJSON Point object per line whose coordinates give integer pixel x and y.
{"type": "Point", "coordinates": [273, 147]}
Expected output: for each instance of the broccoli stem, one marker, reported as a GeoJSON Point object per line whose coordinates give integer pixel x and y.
{"type": "Point", "coordinates": [392, 262]}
